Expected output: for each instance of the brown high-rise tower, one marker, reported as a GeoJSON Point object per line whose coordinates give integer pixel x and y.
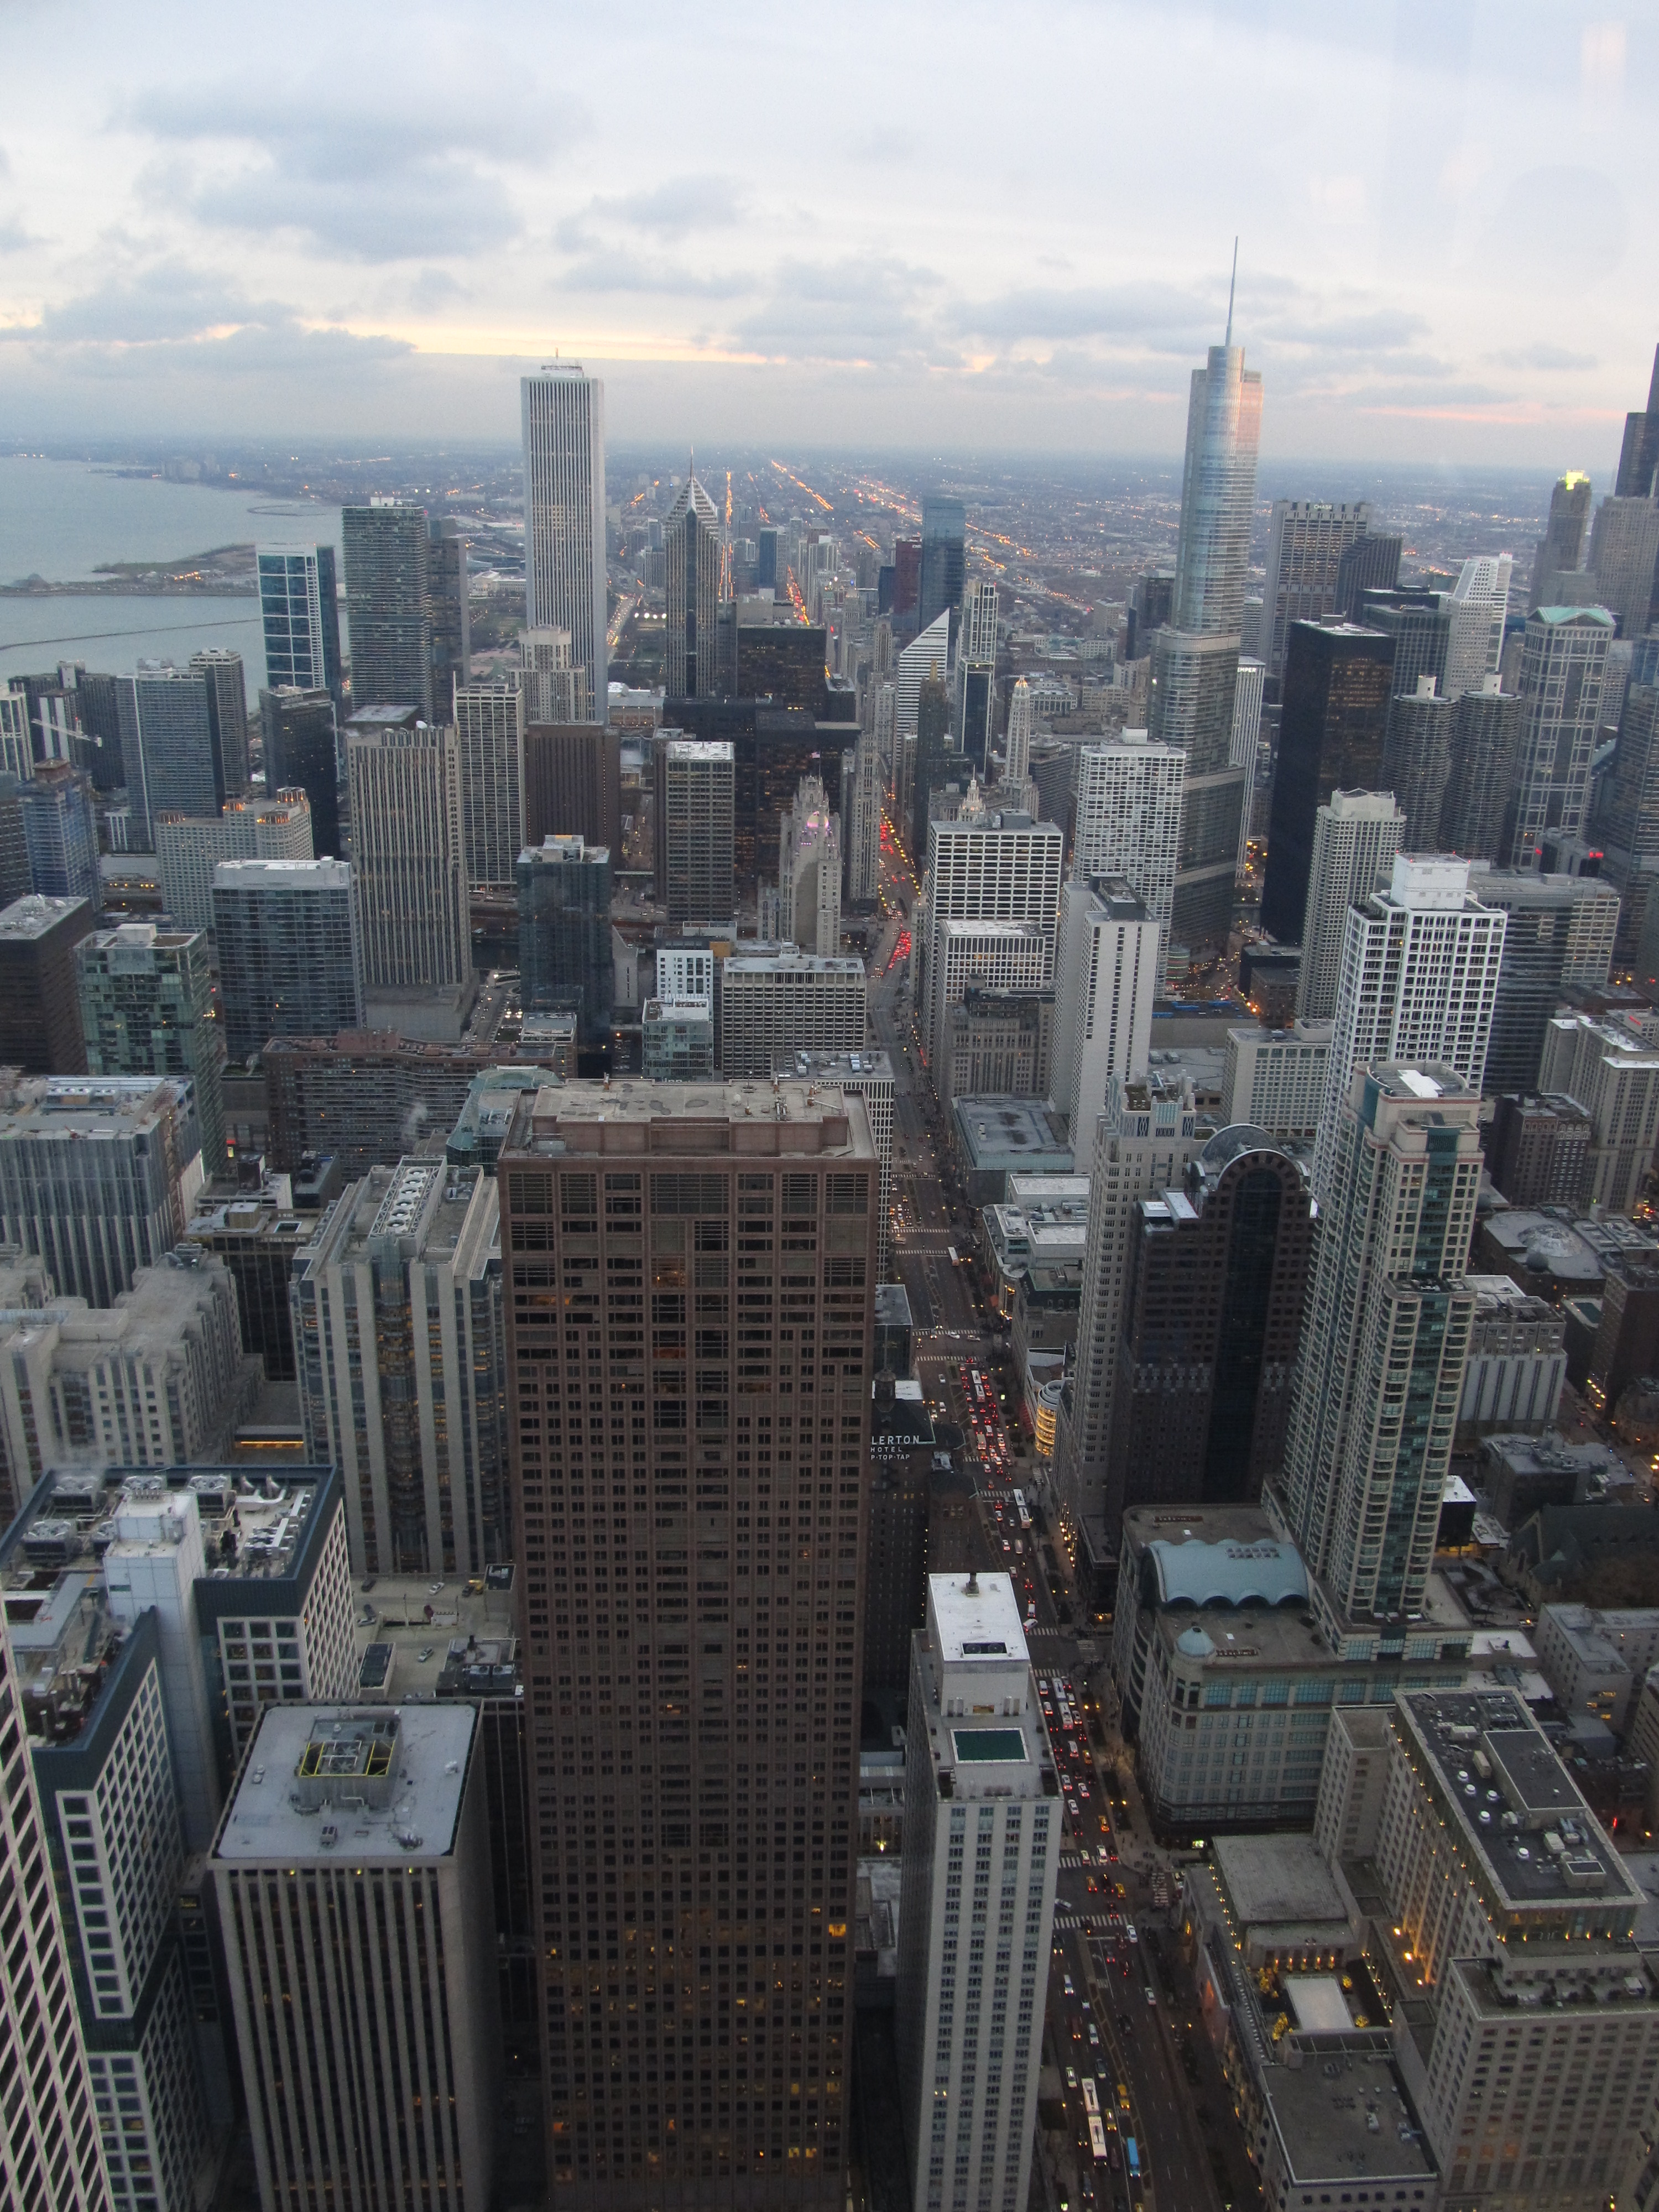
{"type": "Point", "coordinates": [690, 1290]}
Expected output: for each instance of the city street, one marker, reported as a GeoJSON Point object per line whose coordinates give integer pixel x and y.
{"type": "Point", "coordinates": [1118, 2012]}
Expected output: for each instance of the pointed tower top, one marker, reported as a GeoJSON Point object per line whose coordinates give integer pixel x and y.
{"type": "Point", "coordinates": [1231, 287]}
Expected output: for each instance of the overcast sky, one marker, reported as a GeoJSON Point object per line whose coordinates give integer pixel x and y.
{"type": "Point", "coordinates": [892, 226]}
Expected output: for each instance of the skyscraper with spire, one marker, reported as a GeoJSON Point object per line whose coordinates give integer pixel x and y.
{"type": "Point", "coordinates": [1195, 657]}
{"type": "Point", "coordinates": [692, 538]}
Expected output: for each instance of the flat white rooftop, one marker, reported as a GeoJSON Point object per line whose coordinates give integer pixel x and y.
{"type": "Point", "coordinates": [361, 1785]}
{"type": "Point", "coordinates": [978, 1618]}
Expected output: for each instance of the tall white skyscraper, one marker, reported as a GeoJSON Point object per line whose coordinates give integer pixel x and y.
{"type": "Point", "coordinates": [1107, 977]}
{"type": "Point", "coordinates": [1016, 760]}
{"type": "Point", "coordinates": [984, 867]}
{"type": "Point", "coordinates": [1128, 820]}
{"type": "Point", "coordinates": [1356, 838]}
{"type": "Point", "coordinates": [1564, 663]}
{"type": "Point", "coordinates": [49, 2150]}
{"type": "Point", "coordinates": [1420, 964]}
{"type": "Point", "coordinates": [1479, 601]}
{"type": "Point", "coordinates": [409, 870]}
{"type": "Point", "coordinates": [691, 540]}
{"type": "Point", "coordinates": [490, 723]}
{"type": "Point", "coordinates": [1195, 657]}
{"type": "Point", "coordinates": [981, 1844]}
{"type": "Point", "coordinates": [1384, 1345]}
{"type": "Point", "coordinates": [926, 659]}
{"type": "Point", "coordinates": [564, 421]}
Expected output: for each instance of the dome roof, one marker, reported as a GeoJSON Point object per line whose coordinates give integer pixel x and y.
{"type": "Point", "coordinates": [1194, 1643]}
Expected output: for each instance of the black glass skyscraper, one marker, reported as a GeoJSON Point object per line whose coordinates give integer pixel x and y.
{"type": "Point", "coordinates": [1331, 730]}
{"type": "Point", "coordinates": [388, 562]}
{"type": "Point", "coordinates": [944, 557]}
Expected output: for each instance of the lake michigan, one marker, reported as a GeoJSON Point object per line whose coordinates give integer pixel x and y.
{"type": "Point", "coordinates": [59, 519]}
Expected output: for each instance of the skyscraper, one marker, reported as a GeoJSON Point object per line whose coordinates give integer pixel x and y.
{"type": "Point", "coordinates": [447, 600]}
{"type": "Point", "coordinates": [146, 1000]}
{"type": "Point", "coordinates": [1356, 837]}
{"type": "Point", "coordinates": [1142, 1145]}
{"type": "Point", "coordinates": [1000, 867]}
{"type": "Point", "coordinates": [387, 579]}
{"type": "Point", "coordinates": [944, 559]}
{"type": "Point", "coordinates": [1418, 623]}
{"type": "Point", "coordinates": [1639, 455]}
{"type": "Point", "coordinates": [693, 1722]}
{"type": "Point", "coordinates": [1624, 552]}
{"type": "Point", "coordinates": [1563, 662]}
{"type": "Point", "coordinates": [490, 726]}
{"type": "Point", "coordinates": [862, 799]}
{"type": "Point", "coordinates": [1561, 932]}
{"type": "Point", "coordinates": [1417, 762]}
{"type": "Point", "coordinates": [1561, 548]}
{"type": "Point", "coordinates": [1474, 638]}
{"type": "Point", "coordinates": [976, 678]}
{"type": "Point", "coordinates": [188, 849]}
{"type": "Point", "coordinates": [1331, 729]}
{"type": "Point", "coordinates": [1384, 1345]}
{"type": "Point", "coordinates": [1368, 563]}
{"type": "Point", "coordinates": [565, 953]}
{"type": "Point", "coordinates": [1017, 757]}
{"type": "Point", "coordinates": [303, 753]}
{"type": "Point", "coordinates": [772, 1006]}
{"type": "Point", "coordinates": [573, 783]}
{"type": "Point", "coordinates": [809, 872]}
{"type": "Point", "coordinates": [696, 793]}
{"type": "Point", "coordinates": [290, 960]}
{"type": "Point", "coordinates": [1211, 1320]}
{"type": "Point", "coordinates": [692, 542]}
{"type": "Point", "coordinates": [1128, 794]}
{"type": "Point", "coordinates": [409, 870]}
{"type": "Point", "coordinates": [1244, 747]}
{"type": "Point", "coordinates": [1306, 541]}
{"type": "Point", "coordinates": [1420, 964]}
{"type": "Point", "coordinates": [396, 1303]}
{"type": "Point", "coordinates": [554, 688]}
{"type": "Point", "coordinates": [166, 742]}
{"type": "Point", "coordinates": [982, 1833]}
{"type": "Point", "coordinates": [1477, 808]}
{"type": "Point", "coordinates": [40, 1009]}
{"type": "Point", "coordinates": [49, 2139]}
{"type": "Point", "coordinates": [299, 601]}
{"type": "Point", "coordinates": [96, 1175]}
{"type": "Point", "coordinates": [1107, 972]}
{"type": "Point", "coordinates": [221, 671]}
{"type": "Point", "coordinates": [935, 761]}
{"type": "Point", "coordinates": [562, 413]}
{"type": "Point", "coordinates": [363, 1980]}
{"type": "Point", "coordinates": [60, 834]}
{"type": "Point", "coordinates": [1195, 659]}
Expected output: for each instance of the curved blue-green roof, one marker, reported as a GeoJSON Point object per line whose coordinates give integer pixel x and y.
{"type": "Point", "coordinates": [1230, 1574]}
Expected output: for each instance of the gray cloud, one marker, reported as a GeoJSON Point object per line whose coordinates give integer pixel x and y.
{"type": "Point", "coordinates": [1164, 316]}
{"type": "Point", "coordinates": [601, 271]}
{"type": "Point", "coordinates": [374, 185]}
{"type": "Point", "coordinates": [679, 206]}
{"type": "Point", "coordinates": [14, 238]}
{"type": "Point", "coordinates": [173, 309]}
{"type": "Point", "coordinates": [856, 309]}
{"type": "Point", "coordinates": [1544, 357]}
{"type": "Point", "coordinates": [1374, 330]}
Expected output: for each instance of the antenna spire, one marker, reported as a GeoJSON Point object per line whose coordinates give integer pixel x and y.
{"type": "Point", "coordinates": [1231, 287]}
